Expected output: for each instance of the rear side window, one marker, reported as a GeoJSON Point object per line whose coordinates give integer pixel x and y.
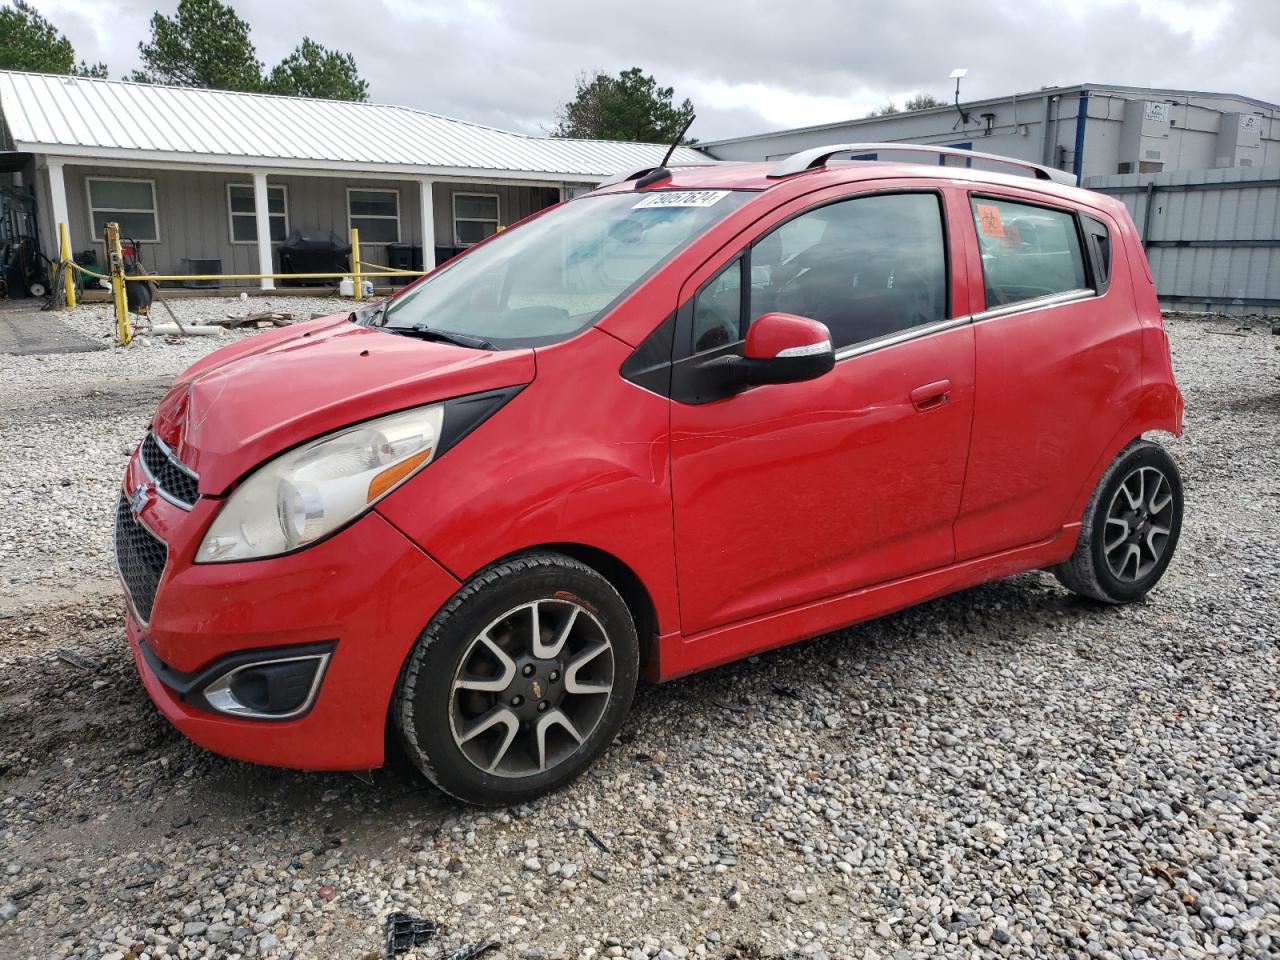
{"type": "Point", "coordinates": [866, 267]}
{"type": "Point", "coordinates": [1027, 251]}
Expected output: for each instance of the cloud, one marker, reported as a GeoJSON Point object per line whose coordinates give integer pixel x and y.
{"type": "Point", "coordinates": [748, 65]}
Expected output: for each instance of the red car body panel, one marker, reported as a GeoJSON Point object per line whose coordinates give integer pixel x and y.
{"type": "Point", "coordinates": [232, 411]}
{"type": "Point", "coordinates": [783, 512]}
{"type": "Point", "coordinates": [585, 466]}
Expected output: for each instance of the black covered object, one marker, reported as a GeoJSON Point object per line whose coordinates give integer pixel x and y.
{"type": "Point", "coordinates": [319, 251]}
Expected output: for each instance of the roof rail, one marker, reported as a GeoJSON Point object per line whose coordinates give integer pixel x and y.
{"type": "Point", "coordinates": [625, 175]}
{"type": "Point", "coordinates": [818, 157]}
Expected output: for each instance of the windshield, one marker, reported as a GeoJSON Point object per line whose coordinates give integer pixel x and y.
{"type": "Point", "coordinates": [558, 274]}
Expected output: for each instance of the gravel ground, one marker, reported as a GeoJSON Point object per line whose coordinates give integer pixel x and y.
{"type": "Point", "coordinates": [1009, 771]}
{"type": "Point", "coordinates": [88, 411]}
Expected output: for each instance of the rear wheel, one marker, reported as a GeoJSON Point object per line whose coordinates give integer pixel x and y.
{"type": "Point", "coordinates": [1130, 527]}
{"type": "Point", "coordinates": [520, 681]}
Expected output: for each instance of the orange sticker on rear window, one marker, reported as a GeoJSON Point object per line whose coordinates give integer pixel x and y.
{"type": "Point", "coordinates": [989, 219]}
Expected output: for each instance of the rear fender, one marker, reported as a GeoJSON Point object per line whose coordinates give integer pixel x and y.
{"type": "Point", "coordinates": [1158, 408]}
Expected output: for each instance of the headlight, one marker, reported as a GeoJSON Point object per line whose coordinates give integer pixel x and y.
{"type": "Point", "coordinates": [309, 492]}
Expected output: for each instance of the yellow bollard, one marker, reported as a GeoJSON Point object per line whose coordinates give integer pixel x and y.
{"type": "Point", "coordinates": [355, 261]}
{"type": "Point", "coordinates": [68, 274]}
{"type": "Point", "coordinates": [115, 260]}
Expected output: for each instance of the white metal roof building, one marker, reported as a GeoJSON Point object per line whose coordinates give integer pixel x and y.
{"type": "Point", "coordinates": [208, 175]}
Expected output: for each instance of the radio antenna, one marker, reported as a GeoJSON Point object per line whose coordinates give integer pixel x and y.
{"type": "Point", "coordinates": [660, 172]}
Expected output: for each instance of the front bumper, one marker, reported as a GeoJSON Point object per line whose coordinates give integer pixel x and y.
{"type": "Point", "coordinates": [366, 593]}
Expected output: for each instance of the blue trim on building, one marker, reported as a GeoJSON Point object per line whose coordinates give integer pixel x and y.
{"type": "Point", "coordinates": [964, 145]}
{"type": "Point", "coordinates": [1082, 118]}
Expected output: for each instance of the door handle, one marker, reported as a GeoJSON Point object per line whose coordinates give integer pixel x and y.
{"type": "Point", "coordinates": [931, 395]}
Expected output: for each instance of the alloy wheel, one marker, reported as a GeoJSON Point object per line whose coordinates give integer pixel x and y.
{"type": "Point", "coordinates": [1138, 523]}
{"type": "Point", "coordinates": [531, 688]}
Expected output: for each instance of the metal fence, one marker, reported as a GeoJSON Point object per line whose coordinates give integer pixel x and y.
{"type": "Point", "coordinates": [1212, 236]}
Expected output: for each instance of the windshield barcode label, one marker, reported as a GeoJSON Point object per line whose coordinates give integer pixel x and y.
{"type": "Point", "coordinates": [682, 198]}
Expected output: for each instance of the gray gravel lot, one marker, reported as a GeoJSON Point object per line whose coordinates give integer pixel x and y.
{"type": "Point", "coordinates": [68, 423]}
{"type": "Point", "coordinates": [1009, 771]}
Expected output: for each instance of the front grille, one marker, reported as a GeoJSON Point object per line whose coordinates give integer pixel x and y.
{"type": "Point", "coordinates": [140, 557]}
{"type": "Point", "coordinates": [172, 479]}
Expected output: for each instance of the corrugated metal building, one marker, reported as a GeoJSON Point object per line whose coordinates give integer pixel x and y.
{"type": "Point", "coordinates": [1212, 236]}
{"type": "Point", "coordinates": [1089, 129]}
{"type": "Point", "coordinates": [212, 175]}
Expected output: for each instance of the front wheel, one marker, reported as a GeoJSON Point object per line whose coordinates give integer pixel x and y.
{"type": "Point", "coordinates": [1130, 527]}
{"type": "Point", "coordinates": [519, 681]}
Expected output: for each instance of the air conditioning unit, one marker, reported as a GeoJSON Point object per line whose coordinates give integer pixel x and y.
{"type": "Point", "coordinates": [1144, 138]}
{"type": "Point", "coordinates": [1239, 140]}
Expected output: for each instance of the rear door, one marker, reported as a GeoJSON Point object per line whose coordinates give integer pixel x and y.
{"type": "Point", "coordinates": [790, 493]}
{"type": "Point", "coordinates": [1059, 354]}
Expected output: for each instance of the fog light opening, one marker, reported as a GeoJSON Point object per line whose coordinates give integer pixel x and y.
{"type": "Point", "coordinates": [274, 689]}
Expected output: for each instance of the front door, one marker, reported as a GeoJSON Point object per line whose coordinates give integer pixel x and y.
{"type": "Point", "coordinates": [789, 493]}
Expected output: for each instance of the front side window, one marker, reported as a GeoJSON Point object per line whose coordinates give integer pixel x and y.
{"type": "Point", "coordinates": [867, 267]}
{"type": "Point", "coordinates": [475, 216]}
{"type": "Point", "coordinates": [130, 203]}
{"type": "Point", "coordinates": [547, 279]}
{"type": "Point", "coordinates": [1027, 251]}
{"type": "Point", "coordinates": [375, 213]}
{"type": "Point", "coordinates": [244, 224]}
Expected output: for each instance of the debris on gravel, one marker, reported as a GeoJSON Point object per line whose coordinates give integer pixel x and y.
{"type": "Point", "coordinates": [1010, 771]}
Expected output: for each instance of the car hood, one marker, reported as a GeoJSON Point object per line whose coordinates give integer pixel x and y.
{"type": "Point", "coordinates": [251, 400]}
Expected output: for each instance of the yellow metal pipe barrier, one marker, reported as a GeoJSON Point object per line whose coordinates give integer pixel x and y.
{"type": "Point", "coordinates": [355, 262]}
{"type": "Point", "coordinates": [115, 259]}
{"type": "Point", "coordinates": [168, 277]}
{"type": "Point", "coordinates": [68, 275]}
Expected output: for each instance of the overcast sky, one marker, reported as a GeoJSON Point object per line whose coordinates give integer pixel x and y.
{"type": "Point", "coordinates": [748, 66]}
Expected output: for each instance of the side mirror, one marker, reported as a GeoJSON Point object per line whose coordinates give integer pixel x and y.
{"type": "Point", "coordinates": [780, 348]}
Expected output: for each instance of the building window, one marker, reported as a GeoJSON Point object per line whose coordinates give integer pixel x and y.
{"type": "Point", "coordinates": [244, 225]}
{"type": "Point", "coordinates": [375, 213]}
{"type": "Point", "coordinates": [130, 203]}
{"type": "Point", "coordinates": [475, 216]}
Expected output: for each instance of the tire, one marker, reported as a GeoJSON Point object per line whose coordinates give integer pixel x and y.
{"type": "Point", "coordinates": [1121, 516]}
{"type": "Point", "coordinates": [493, 716]}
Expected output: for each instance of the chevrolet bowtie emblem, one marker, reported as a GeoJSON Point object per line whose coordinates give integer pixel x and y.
{"type": "Point", "coordinates": [139, 498]}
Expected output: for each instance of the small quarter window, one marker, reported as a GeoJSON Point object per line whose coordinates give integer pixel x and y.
{"type": "Point", "coordinates": [1027, 251]}
{"type": "Point", "coordinates": [1099, 241]}
{"type": "Point", "coordinates": [717, 310]}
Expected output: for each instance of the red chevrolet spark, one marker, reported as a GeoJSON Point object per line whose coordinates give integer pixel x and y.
{"type": "Point", "coordinates": [694, 415]}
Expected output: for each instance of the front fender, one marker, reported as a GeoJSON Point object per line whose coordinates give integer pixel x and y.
{"type": "Point", "coordinates": [580, 456]}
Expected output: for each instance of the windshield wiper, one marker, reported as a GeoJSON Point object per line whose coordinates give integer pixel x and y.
{"type": "Point", "coordinates": [442, 336]}
{"type": "Point", "coordinates": [371, 318]}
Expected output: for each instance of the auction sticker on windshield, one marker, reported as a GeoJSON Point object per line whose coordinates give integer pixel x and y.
{"type": "Point", "coordinates": [682, 198]}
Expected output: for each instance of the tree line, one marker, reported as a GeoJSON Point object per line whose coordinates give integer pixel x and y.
{"type": "Point", "coordinates": [207, 44]}
{"type": "Point", "coordinates": [204, 44]}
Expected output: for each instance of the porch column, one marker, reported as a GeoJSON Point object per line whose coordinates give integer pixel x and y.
{"type": "Point", "coordinates": [58, 197]}
{"type": "Point", "coordinates": [428, 223]}
{"type": "Point", "coordinates": [262, 218]}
